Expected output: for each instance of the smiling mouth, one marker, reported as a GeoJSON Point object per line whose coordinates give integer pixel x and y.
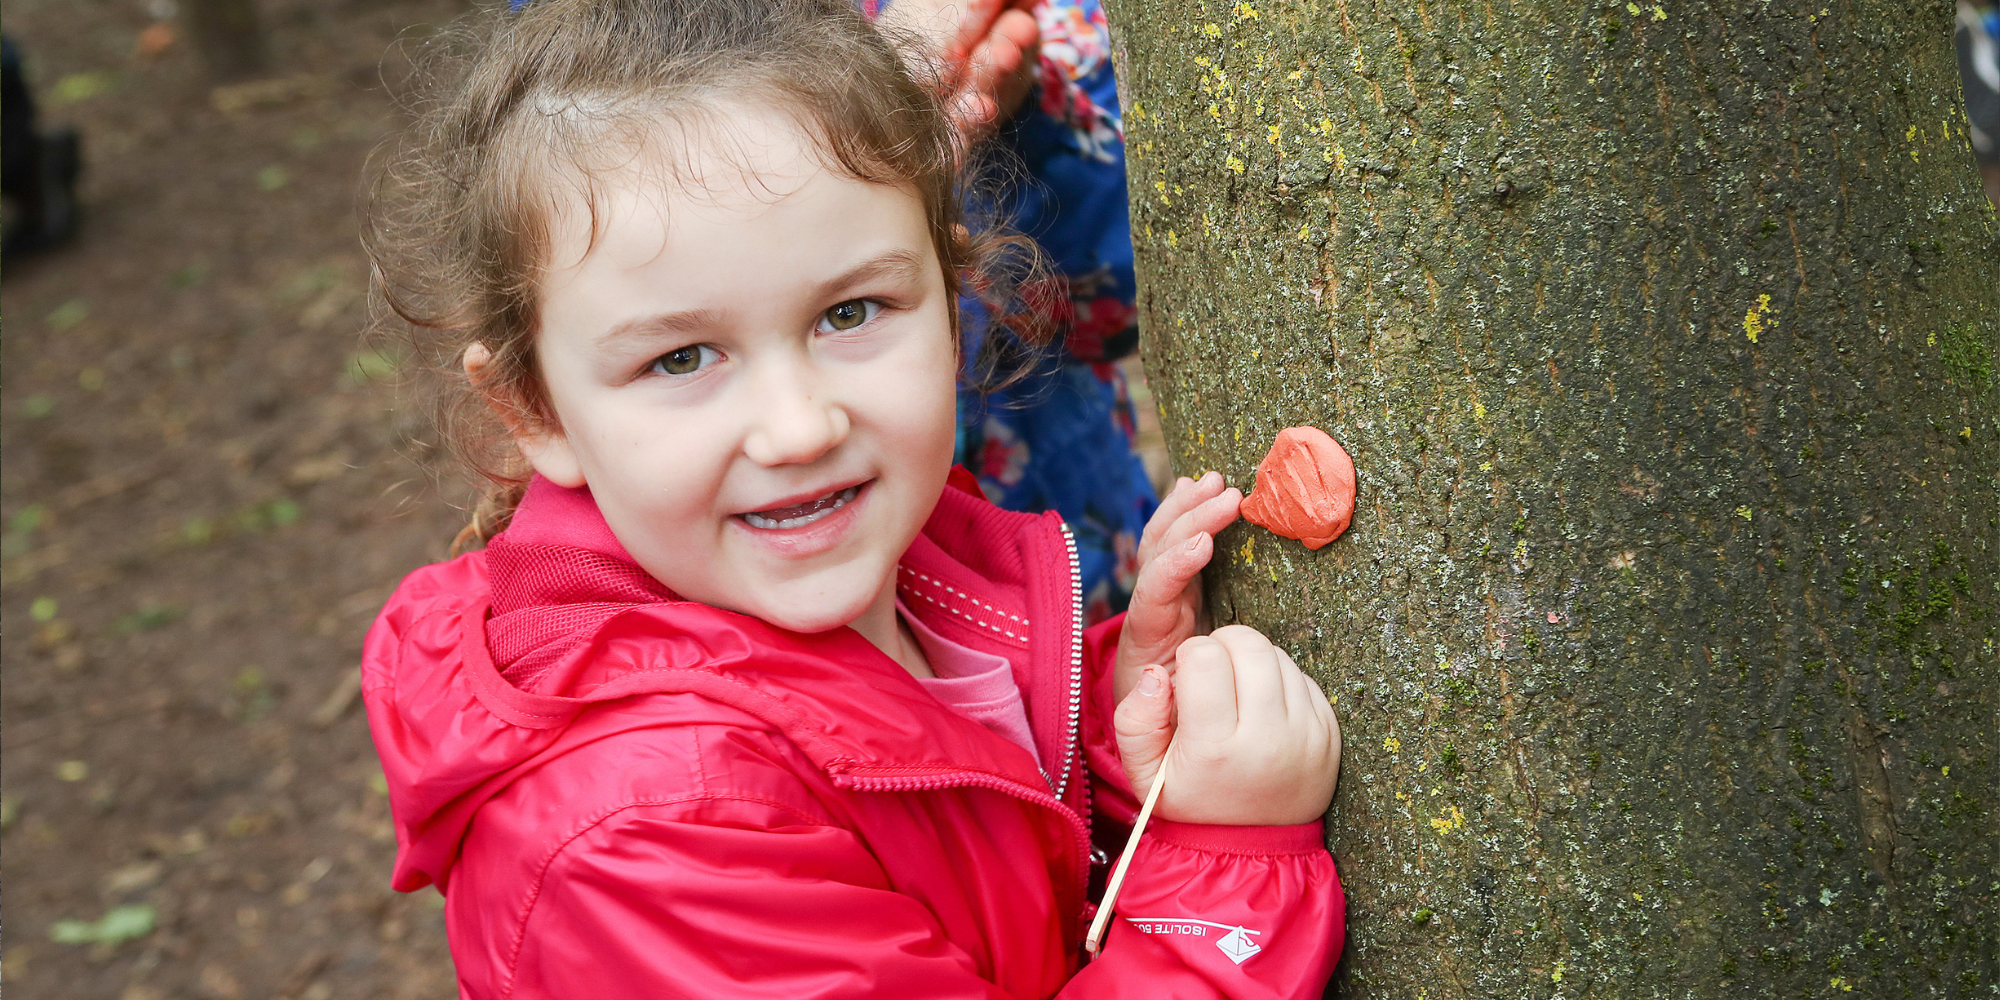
{"type": "Point", "coordinates": [799, 515]}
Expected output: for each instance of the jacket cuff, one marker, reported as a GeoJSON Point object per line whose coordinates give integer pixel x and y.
{"type": "Point", "coordinates": [1256, 841]}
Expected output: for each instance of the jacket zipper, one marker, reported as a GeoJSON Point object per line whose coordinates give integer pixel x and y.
{"type": "Point", "coordinates": [1075, 659]}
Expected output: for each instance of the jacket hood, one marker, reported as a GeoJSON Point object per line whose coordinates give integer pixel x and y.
{"type": "Point", "coordinates": [483, 668]}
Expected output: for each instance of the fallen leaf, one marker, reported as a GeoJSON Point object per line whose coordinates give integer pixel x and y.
{"type": "Point", "coordinates": [67, 315]}
{"type": "Point", "coordinates": [157, 38]}
{"type": "Point", "coordinates": [145, 619]}
{"type": "Point", "coordinates": [314, 470]}
{"type": "Point", "coordinates": [133, 876]}
{"type": "Point", "coordinates": [81, 86]}
{"type": "Point", "coordinates": [239, 97]}
{"type": "Point", "coordinates": [120, 923]}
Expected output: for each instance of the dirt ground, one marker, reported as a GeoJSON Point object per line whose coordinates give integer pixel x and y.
{"type": "Point", "coordinates": [207, 492]}
{"type": "Point", "coordinates": [206, 496]}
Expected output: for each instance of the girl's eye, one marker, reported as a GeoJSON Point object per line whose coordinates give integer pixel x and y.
{"type": "Point", "coordinates": [849, 314]}
{"type": "Point", "coordinates": [684, 361]}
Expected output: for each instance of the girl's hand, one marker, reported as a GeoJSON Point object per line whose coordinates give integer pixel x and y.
{"type": "Point", "coordinates": [989, 51]}
{"type": "Point", "coordinates": [1000, 68]}
{"type": "Point", "coordinates": [1258, 742]}
{"type": "Point", "coordinates": [1166, 600]}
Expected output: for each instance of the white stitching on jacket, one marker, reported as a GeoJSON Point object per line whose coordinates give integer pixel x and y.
{"type": "Point", "coordinates": [948, 609]}
{"type": "Point", "coordinates": [947, 588]}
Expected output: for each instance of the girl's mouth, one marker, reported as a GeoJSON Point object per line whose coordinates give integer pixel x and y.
{"type": "Point", "coordinates": [799, 515]}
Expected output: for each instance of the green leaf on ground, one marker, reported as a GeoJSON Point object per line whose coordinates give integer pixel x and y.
{"type": "Point", "coordinates": [197, 531]}
{"type": "Point", "coordinates": [37, 405]}
{"type": "Point", "coordinates": [119, 924]}
{"type": "Point", "coordinates": [27, 519]}
{"type": "Point", "coordinates": [265, 515]}
{"type": "Point", "coordinates": [145, 619]}
{"type": "Point", "coordinates": [252, 698]}
{"type": "Point", "coordinates": [67, 315]}
{"type": "Point", "coordinates": [281, 511]}
{"type": "Point", "coordinates": [82, 86]}
{"type": "Point", "coordinates": [44, 609]}
{"type": "Point", "coordinates": [272, 178]}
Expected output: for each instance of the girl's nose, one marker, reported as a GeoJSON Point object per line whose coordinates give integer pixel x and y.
{"type": "Point", "coordinates": [794, 424]}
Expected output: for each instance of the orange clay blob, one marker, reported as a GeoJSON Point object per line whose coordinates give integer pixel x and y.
{"type": "Point", "coordinates": [1305, 488]}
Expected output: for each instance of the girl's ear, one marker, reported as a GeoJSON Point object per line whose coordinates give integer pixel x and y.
{"type": "Point", "coordinates": [545, 447]}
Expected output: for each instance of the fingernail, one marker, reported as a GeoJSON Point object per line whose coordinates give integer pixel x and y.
{"type": "Point", "coordinates": [1149, 682]}
{"type": "Point", "coordinates": [1194, 544]}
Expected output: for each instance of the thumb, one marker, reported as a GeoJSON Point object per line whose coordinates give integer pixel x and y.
{"type": "Point", "coordinates": [1144, 726]}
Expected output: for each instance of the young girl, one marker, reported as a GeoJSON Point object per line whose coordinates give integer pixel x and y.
{"type": "Point", "coordinates": [754, 695]}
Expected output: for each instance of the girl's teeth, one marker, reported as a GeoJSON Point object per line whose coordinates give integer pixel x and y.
{"type": "Point", "coordinates": [800, 515]}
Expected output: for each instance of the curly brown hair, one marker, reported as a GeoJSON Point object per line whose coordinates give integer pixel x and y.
{"type": "Point", "coordinates": [460, 209]}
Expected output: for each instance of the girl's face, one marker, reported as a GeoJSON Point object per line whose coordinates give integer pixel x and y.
{"type": "Point", "coordinates": [753, 371]}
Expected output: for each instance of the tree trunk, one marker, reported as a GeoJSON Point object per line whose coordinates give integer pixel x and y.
{"type": "Point", "coordinates": [228, 34]}
{"type": "Point", "coordinates": [1663, 337]}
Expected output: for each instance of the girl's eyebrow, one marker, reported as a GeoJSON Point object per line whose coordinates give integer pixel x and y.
{"type": "Point", "coordinates": [899, 265]}
{"type": "Point", "coordinates": [660, 324]}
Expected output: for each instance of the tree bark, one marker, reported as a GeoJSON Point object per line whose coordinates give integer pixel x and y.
{"type": "Point", "coordinates": [1663, 337]}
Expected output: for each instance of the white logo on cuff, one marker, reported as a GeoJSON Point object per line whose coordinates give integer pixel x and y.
{"type": "Point", "coordinates": [1235, 943]}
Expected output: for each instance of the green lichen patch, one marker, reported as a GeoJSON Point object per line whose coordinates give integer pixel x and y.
{"type": "Point", "coordinates": [1966, 356]}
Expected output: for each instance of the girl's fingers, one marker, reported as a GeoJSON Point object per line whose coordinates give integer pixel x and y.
{"type": "Point", "coordinates": [1171, 506]}
{"type": "Point", "coordinates": [1185, 496]}
{"type": "Point", "coordinates": [1143, 724]}
{"type": "Point", "coordinates": [1019, 27]}
{"type": "Point", "coordinates": [1210, 516]}
{"type": "Point", "coordinates": [975, 21]}
{"type": "Point", "coordinates": [1205, 691]}
{"type": "Point", "coordinates": [1260, 681]}
{"type": "Point", "coordinates": [993, 60]}
{"type": "Point", "coordinates": [1299, 707]}
{"type": "Point", "coordinates": [1163, 580]}
{"type": "Point", "coordinates": [1159, 615]}
{"type": "Point", "coordinates": [1217, 512]}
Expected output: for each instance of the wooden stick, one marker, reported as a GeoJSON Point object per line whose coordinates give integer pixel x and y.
{"type": "Point", "coordinates": [1094, 940]}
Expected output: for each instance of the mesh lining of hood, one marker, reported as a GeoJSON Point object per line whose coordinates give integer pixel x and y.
{"type": "Point", "coordinates": [549, 598]}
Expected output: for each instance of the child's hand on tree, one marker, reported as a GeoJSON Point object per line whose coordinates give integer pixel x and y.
{"type": "Point", "coordinates": [1258, 744]}
{"type": "Point", "coordinates": [1166, 599]}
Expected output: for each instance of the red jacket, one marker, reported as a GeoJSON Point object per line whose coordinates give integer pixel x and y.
{"type": "Point", "coordinates": [689, 802]}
